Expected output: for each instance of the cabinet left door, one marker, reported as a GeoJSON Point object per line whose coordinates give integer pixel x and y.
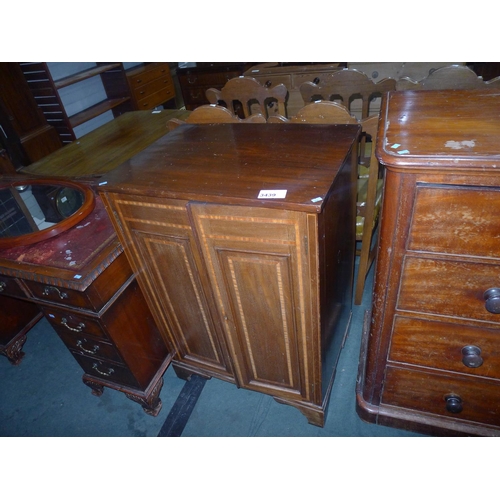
{"type": "Point", "coordinates": [162, 250]}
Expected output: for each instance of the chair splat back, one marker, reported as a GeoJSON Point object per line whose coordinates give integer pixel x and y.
{"type": "Point", "coordinates": [212, 113]}
{"type": "Point", "coordinates": [250, 94]}
{"type": "Point", "coordinates": [347, 85]}
{"type": "Point", "coordinates": [369, 184]}
{"type": "Point", "coordinates": [454, 77]}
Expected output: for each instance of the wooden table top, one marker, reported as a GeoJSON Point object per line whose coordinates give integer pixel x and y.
{"type": "Point", "coordinates": [232, 163]}
{"type": "Point", "coordinates": [108, 146]}
{"type": "Point", "coordinates": [430, 129]}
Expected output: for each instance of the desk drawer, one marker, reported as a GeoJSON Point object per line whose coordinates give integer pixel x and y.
{"type": "Point", "coordinates": [81, 343]}
{"type": "Point", "coordinates": [106, 370]}
{"type": "Point", "coordinates": [94, 297]}
{"type": "Point", "coordinates": [446, 346]}
{"type": "Point", "coordinates": [11, 287]}
{"type": "Point", "coordinates": [448, 288]}
{"type": "Point", "coordinates": [67, 322]}
{"type": "Point", "coordinates": [427, 392]}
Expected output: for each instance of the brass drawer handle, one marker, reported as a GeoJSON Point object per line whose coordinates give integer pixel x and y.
{"type": "Point", "coordinates": [78, 329]}
{"type": "Point", "coordinates": [79, 344]}
{"type": "Point", "coordinates": [48, 289]}
{"type": "Point", "coordinates": [110, 371]}
{"type": "Point", "coordinates": [3, 286]}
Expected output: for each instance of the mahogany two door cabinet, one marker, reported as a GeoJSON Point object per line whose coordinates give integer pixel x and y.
{"type": "Point", "coordinates": [430, 359]}
{"type": "Point", "coordinates": [242, 240]}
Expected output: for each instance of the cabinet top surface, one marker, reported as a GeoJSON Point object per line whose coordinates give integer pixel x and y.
{"type": "Point", "coordinates": [443, 128]}
{"type": "Point", "coordinates": [232, 163]}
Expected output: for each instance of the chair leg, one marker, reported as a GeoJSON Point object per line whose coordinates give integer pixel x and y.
{"type": "Point", "coordinates": [367, 254]}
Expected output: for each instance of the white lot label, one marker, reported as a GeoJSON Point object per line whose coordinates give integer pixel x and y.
{"type": "Point", "coordinates": [272, 193]}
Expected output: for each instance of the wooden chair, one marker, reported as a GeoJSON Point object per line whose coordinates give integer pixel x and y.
{"type": "Point", "coordinates": [347, 85]}
{"type": "Point", "coordinates": [370, 183]}
{"type": "Point", "coordinates": [453, 77]}
{"type": "Point", "coordinates": [250, 95]}
{"type": "Point", "coordinates": [212, 113]}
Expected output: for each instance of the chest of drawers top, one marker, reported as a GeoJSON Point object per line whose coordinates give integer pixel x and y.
{"type": "Point", "coordinates": [452, 130]}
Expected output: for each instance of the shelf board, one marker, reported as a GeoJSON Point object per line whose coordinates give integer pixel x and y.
{"type": "Point", "coordinates": [96, 110]}
{"type": "Point", "coordinates": [83, 75]}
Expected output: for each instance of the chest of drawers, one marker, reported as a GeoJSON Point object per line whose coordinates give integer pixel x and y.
{"type": "Point", "coordinates": [251, 287]}
{"type": "Point", "coordinates": [83, 284]}
{"type": "Point", "coordinates": [151, 85]}
{"type": "Point", "coordinates": [430, 359]}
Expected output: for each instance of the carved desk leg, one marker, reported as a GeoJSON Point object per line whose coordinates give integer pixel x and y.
{"type": "Point", "coordinates": [97, 389]}
{"type": "Point", "coordinates": [151, 403]}
{"type": "Point", "coordinates": [14, 351]}
{"type": "Point", "coordinates": [18, 317]}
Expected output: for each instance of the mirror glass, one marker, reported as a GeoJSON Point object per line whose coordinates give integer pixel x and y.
{"type": "Point", "coordinates": [32, 210]}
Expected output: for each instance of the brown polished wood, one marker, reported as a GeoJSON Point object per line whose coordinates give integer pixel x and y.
{"type": "Point", "coordinates": [255, 291]}
{"type": "Point", "coordinates": [82, 282]}
{"type": "Point", "coordinates": [151, 85]}
{"type": "Point", "coordinates": [108, 146]}
{"type": "Point", "coordinates": [430, 345]}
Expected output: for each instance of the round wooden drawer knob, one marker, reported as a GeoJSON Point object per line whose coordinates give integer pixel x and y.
{"type": "Point", "coordinates": [471, 356]}
{"type": "Point", "coordinates": [453, 404]}
{"type": "Point", "coordinates": [492, 298]}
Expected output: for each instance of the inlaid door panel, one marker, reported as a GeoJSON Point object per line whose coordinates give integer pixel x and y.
{"type": "Point", "coordinates": [161, 238]}
{"type": "Point", "coordinates": [256, 260]}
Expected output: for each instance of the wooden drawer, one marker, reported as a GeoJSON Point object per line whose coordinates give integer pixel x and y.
{"type": "Point", "coordinates": [86, 345]}
{"type": "Point", "coordinates": [66, 322]}
{"type": "Point", "coordinates": [151, 88]}
{"type": "Point", "coordinates": [157, 98]}
{"type": "Point", "coordinates": [427, 392]}
{"type": "Point", "coordinates": [454, 220]}
{"type": "Point", "coordinates": [94, 297]}
{"type": "Point", "coordinates": [448, 288]}
{"type": "Point", "coordinates": [11, 287]}
{"type": "Point", "coordinates": [147, 73]}
{"type": "Point", "coordinates": [439, 345]}
{"type": "Point", "coordinates": [107, 371]}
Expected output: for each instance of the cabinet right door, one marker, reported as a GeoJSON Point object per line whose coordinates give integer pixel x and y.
{"type": "Point", "coordinates": [257, 261]}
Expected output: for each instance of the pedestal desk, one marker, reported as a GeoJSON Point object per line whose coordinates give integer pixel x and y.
{"type": "Point", "coordinates": [242, 239]}
{"type": "Point", "coordinates": [82, 282]}
{"type": "Point", "coordinates": [430, 359]}
{"type": "Point", "coordinates": [119, 345]}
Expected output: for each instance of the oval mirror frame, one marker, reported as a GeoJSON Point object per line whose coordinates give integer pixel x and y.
{"type": "Point", "coordinates": [44, 234]}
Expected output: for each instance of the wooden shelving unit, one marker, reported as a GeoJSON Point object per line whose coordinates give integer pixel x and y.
{"type": "Point", "coordinates": [46, 92]}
